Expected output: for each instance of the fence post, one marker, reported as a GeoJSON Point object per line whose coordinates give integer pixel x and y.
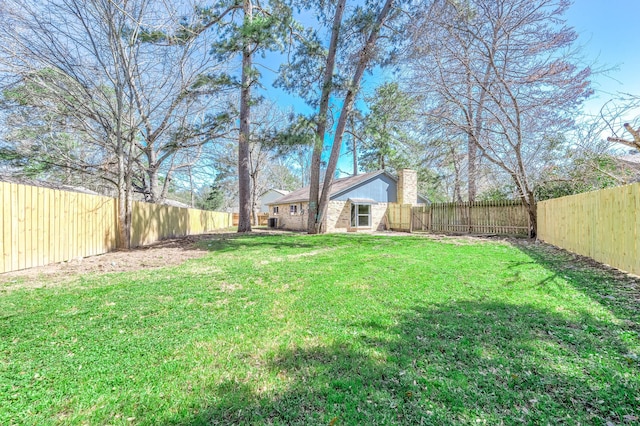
{"type": "Point", "coordinates": [410, 219]}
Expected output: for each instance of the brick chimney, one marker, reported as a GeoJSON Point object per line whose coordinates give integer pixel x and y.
{"type": "Point", "coordinates": [407, 186]}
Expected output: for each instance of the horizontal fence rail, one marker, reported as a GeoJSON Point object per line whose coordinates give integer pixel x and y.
{"type": "Point", "coordinates": [603, 225]}
{"type": "Point", "coordinates": [263, 219]}
{"type": "Point", "coordinates": [40, 226]}
{"type": "Point", "coordinates": [483, 217]}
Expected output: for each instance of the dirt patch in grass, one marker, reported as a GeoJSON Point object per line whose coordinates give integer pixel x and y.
{"type": "Point", "coordinates": [159, 255]}
{"type": "Point", "coordinates": [165, 253]}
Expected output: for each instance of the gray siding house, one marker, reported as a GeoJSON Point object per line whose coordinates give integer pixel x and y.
{"type": "Point", "coordinates": [356, 203]}
{"type": "Point", "coordinates": [269, 197]}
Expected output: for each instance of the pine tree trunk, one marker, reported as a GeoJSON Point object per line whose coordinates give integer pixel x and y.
{"type": "Point", "coordinates": [244, 171]}
{"type": "Point", "coordinates": [315, 219]}
{"type": "Point", "coordinates": [365, 58]}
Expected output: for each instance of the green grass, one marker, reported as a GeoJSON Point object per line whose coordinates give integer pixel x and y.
{"type": "Point", "coordinates": [339, 329]}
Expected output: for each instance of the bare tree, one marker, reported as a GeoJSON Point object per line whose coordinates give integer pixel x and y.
{"type": "Point", "coordinates": [125, 76]}
{"type": "Point", "coordinates": [613, 112]}
{"type": "Point", "coordinates": [443, 63]}
{"type": "Point", "coordinates": [505, 76]}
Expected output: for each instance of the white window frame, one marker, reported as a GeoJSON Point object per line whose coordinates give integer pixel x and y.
{"type": "Point", "coordinates": [293, 209]}
{"type": "Point", "coordinates": [275, 210]}
{"type": "Point", "coordinates": [355, 215]}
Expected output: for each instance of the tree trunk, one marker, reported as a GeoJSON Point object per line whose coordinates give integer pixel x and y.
{"type": "Point", "coordinates": [457, 196]}
{"type": "Point", "coordinates": [193, 200]}
{"type": "Point", "coordinates": [165, 188]}
{"type": "Point", "coordinates": [254, 198]}
{"type": "Point", "coordinates": [365, 58]}
{"type": "Point", "coordinates": [244, 170]}
{"type": "Point", "coordinates": [472, 172]}
{"type": "Point", "coordinates": [473, 141]}
{"type": "Point", "coordinates": [123, 232]}
{"type": "Point", "coordinates": [315, 218]}
{"type": "Point", "coordinates": [355, 157]}
{"type": "Point", "coordinates": [154, 186]}
{"type": "Point", "coordinates": [533, 215]}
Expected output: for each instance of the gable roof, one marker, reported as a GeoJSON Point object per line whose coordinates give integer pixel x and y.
{"type": "Point", "coordinates": [279, 191]}
{"type": "Point", "coordinates": [339, 186]}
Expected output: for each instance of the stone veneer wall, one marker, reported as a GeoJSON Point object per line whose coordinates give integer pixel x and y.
{"type": "Point", "coordinates": [378, 214]}
{"type": "Point", "coordinates": [292, 222]}
{"type": "Point", "coordinates": [338, 217]}
{"type": "Point", "coordinates": [407, 187]}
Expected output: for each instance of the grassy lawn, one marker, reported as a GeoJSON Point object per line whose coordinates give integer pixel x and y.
{"type": "Point", "coordinates": [333, 330]}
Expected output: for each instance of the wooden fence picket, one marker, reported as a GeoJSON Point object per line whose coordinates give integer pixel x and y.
{"type": "Point", "coordinates": [485, 217]}
{"type": "Point", "coordinates": [604, 225]}
{"type": "Point", "coordinates": [41, 225]}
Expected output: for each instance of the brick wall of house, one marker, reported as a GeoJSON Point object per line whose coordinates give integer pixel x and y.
{"type": "Point", "coordinates": [378, 212]}
{"type": "Point", "coordinates": [407, 186]}
{"type": "Point", "coordinates": [289, 221]}
{"type": "Point", "coordinates": [338, 217]}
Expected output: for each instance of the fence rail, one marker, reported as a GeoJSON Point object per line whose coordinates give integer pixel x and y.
{"type": "Point", "coordinates": [263, 219]}
{"type": "Point", "coordinates": [40, 226]}
{"type": "Point", "coordinates": [484, 217]}
{"type": "Point", "coordinates": [604, 225]}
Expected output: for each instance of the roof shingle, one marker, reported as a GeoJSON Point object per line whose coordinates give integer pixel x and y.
{"type": "Point", "coordinates": [339, 186]}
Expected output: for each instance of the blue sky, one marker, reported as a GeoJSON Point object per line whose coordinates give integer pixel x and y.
{"type": "Point", "coordinates": [609, 38]}
{"type": "Point", "coordinates": [608, 43]}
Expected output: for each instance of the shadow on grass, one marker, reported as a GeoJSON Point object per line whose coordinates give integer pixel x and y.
{"type": "Point", "coordinates": [460, 363]}
{"type": "Point", "coordinates": [231, 241]}
{"type": "Point", "coordinates": [615, 290]}
{"type": "Point", "coordinates": [277, 240]}
{"type": "Point", "coordinates": [238, 241]}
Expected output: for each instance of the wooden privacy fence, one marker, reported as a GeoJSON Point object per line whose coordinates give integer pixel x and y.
{"type": "Point", "coordinates": [399, 217]}
{"type": "Point", "coordinates": [155, 222]}
{"type": "Point", "coordinates": [41, 225]}
{"type": "Point", "coordinates": [263, 219]}
{"type": "Point", "coordinates": [483, 217]}
{"type": "Point", "coordinates": [604, 225]}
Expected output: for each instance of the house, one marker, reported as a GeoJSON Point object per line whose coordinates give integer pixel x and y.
{"type": "Point", "coordinates": [269, 196]}
{"type": "Point", "coordinates": [356, 203]}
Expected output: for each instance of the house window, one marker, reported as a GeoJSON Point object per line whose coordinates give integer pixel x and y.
{"type": "Point", "coordinates": [275, 209]}
{"type": "Point", "coordinates": [293, 209]}
{"type": "Point", "coordinates": [360, 215]}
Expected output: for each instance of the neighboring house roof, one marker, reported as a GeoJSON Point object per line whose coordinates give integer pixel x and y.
{"type": "Point", "coordinates": [21, 180]}
{"type": "Point", "coordinates": [339, 186]}
{"type": "Point", "coordinates": [279, 191]}
{"type": "Point", "coordinates": [176, 203]}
